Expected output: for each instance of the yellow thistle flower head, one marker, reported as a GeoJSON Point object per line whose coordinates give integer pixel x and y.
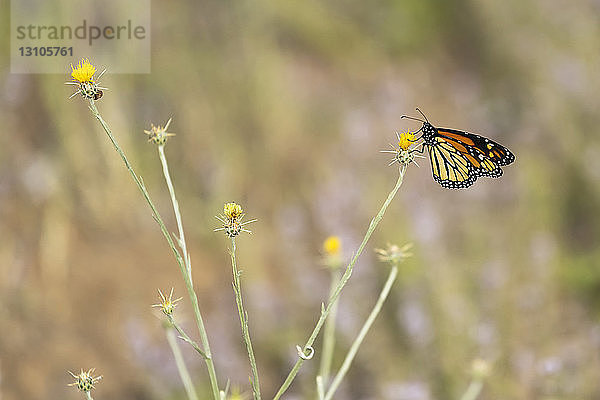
{"type": "Point", "coordinates": [232, 211]}
{"type": "Point", "coordinates": [84, 380]}
{"type": "Point", "coordinates": [231, 220]}
{"type": "Point", "coordinates": [84, 72]}
{"type": "Point", "coordinates": [332, 246]}
{"type": "Point", "coordinates": [158, 134]}
{"type": "Point", "coordinates": [82, 76]}
{"type": "Point", "coordinates": [403, 154]}
{"type": "Point", "coordinates": [405, 140]}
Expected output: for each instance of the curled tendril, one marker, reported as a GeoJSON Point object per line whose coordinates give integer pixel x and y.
{"type": "Point", "coordinates": [303, 355]}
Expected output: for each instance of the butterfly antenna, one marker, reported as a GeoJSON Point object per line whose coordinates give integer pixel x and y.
{"type": "Point", "coordinates": [413, 118]}
{"type": "Point", "coordinates": [421, 112]}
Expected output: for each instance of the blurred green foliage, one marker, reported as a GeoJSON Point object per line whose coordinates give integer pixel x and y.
{"type": "Point", "coordinates": [282, 106]}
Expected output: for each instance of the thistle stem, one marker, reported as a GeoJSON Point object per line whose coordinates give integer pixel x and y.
{"type": "Point", "coordinates": [184, 336]}
{"type": "Point", "coordinates": [181, 239]}
{"type": "Point", "coordinates": [186, 277]}
{"type": "Point", "coordinates": [361, 335]}
{"type": "Point", "coordinates": [329, 334]}
{"type": "Point", "coordinates": [181, 367]}
{"type": "Point", "coordinates": [342, 282]}
{"type": "Point", "coordinates": [237, 289]}
{"type": "Point", "coordinates": [473, 390]}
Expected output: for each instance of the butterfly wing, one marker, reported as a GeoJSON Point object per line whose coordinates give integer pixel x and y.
{"type": "Point", "coordinates": [478, 145]}
{"type": "Point", "coordinates": [458, 158]}
{"type": "Point", "coordinates": [449, 167]}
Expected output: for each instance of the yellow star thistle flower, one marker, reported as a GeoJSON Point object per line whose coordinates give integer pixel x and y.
{"type": "Point", "coordinates": [84, 72]}
{"type": "Point", "coordinates": [82, 76]}
{"type": "Point", "coordinates": [232, 211]}
{"type": "Point", "coordinates": [232, 217]}
{"type": "Point", "coordinates": [403, 155]}
{"type": "Point", "coordinates": [405, 140]}
{"type": "Point", "coordinates": [332, 245]}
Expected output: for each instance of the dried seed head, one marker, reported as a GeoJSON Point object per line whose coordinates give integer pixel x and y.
{"type": "Point", "coordinates": [158, 134]}
{"type": "Point", "coordinates": [394, 254]}
{"type": "Point", "coordinates": [167, 305]}
{"type": "Point", "coordinates": [84, 380]}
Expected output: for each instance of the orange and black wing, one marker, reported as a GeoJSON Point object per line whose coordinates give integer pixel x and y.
{"type": "Point", "coordinates": [450, 168]}
{"type": "Point", "coordinates": [458, 158]}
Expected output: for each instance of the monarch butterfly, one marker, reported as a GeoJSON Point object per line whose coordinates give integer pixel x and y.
{"type": "Point", "coordinates": [458, 158]}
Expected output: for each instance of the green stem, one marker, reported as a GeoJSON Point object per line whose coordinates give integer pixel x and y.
{"type": "Point", "coordinates": [183, 371]}
{"type": "Point", "coordinates": [187, 260]}
{"type": "Point", "coordinates": [332, 299]}
{"type": "Point", "coordinates": [237, 288]}
{"type": "Point", "coordinates": [320, 387]}
{"type": "Point", "coordinates": [361, 335]}
{"type": "Point", "coordinates": [155, 214]}
{"type": "Point", "coordinates": [329, 334]}
{"type": "Point", "coordinates": [473, 390]}
{"type": "Point", "coordinates": [185, 336]}
{"type": "Point", "coordinates": [88, 395]}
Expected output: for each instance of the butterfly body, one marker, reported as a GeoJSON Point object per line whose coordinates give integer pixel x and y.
{"type": "Point", "coordinates": [458, 158]}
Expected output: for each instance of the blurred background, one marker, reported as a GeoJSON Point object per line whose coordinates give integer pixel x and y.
{"type": "Point", "coordinates": [283, 106]}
